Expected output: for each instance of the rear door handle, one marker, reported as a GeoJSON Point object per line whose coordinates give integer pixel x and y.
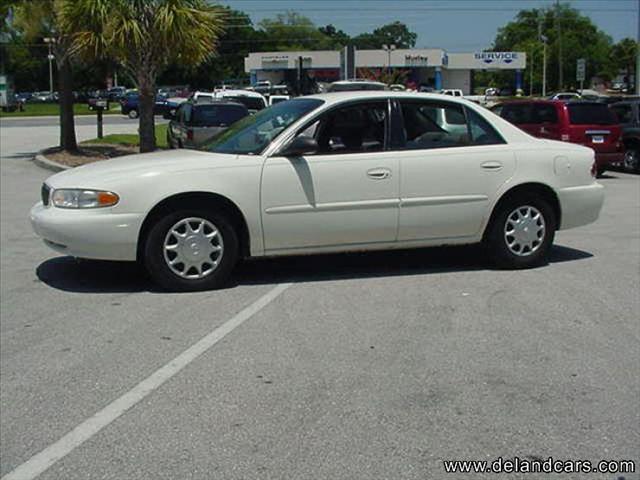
{"type": "Point", "coordinates": [491, 165]}
{"type": "Point", "coordinates": [379, 173]}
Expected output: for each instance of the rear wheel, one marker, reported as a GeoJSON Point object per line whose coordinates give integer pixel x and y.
{"type": "Point", "coordinates": [521, 232]}
{"type": "Point", "coordinates": [133, 113]}
{"type": "Point", "coordinates": [191, 250]}
{"type": "Point", "coordinates": [632, 160]}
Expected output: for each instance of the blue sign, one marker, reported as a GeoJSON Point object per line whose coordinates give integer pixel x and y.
{"type": "Point", "coordinates": [496, 57]}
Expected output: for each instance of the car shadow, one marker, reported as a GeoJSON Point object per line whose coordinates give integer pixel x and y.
{"type": "Point", "coordinates": [97, 276]}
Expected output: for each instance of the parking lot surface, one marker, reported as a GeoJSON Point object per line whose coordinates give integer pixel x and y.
{"type": "Point", "coordinates": [376, 365]}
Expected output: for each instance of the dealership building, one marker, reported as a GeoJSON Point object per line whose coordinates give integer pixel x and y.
{"type": "Point", "coordinates": [432, 67]}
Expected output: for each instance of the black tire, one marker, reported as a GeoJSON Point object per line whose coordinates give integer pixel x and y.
{"type": "Point", "coordinates": [632, 160]}
{"type": "Point", "coordinates": [133, 113]}
{"type": "Point", "coordinates": [163, 275]}
{"type": "Point", "coordinates": [496, 240]}
{"type": "Point", "coordinates": [600, 171]}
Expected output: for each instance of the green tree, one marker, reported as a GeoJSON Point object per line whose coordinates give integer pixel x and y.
{"type": "Point", "coordinates": [395, 33]}
{"type": "Point", "coordinates": [579, 38]}
{"type": "Point", "coordinates": [239, 38]}
{"type": "Point", "coordinates": [623, 56]}
{"type": "Point", "coordinates": [292, 31]}
{"type": "Point", "coordinates": [337, 37]}
{"type": "Point", "coordinates": [39, 19]}
{"type": "Point", "coordinates": [145, 36]}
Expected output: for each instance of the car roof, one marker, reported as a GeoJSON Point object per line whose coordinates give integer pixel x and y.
{"type": "Point", "coordinates": [338, 97]}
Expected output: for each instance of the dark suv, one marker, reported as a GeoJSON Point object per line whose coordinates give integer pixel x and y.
{"type": "Point", "coordinates": [628, 113]}
{"type": "Point", "coordinates": [591, 124]}
{"type": "Point", "coordinates": [194, 124]}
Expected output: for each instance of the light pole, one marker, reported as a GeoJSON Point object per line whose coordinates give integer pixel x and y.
{"type": "Point", "coordinates": [544, 65]}
{"type": "Point", "coordinates": [50, 41]}
{"type": "Point", "coordinates": [389, 49]}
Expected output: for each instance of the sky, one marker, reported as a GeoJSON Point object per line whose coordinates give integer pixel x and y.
{"type": "Point", "coordinates": [455, 25]}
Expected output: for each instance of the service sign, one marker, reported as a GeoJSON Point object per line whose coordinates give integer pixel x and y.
{"type": "Point", "coordinates": [491, 59]}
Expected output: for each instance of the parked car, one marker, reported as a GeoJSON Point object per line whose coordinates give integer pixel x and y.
{"type": "Point", "coordinates": [129, 105]}
{"type": "Point", "coordinates": [628, 113]}
{"type": "Point", "coordinates": [591, 124]}
{"type": "Point", "coordinates": [115, 94]}
{"type": "Point", "coordinates": [452, 92]}
{"type": "Point", "coordinates": [325, 173]}
{"type": "Point", "coordinates": [355, 85]}
{"type": "Point", "coordinates": [42, 97]}
{"type": "Point", "coordinates": [565, 96]}
{"type": "Point", "coordinates": [254, 101]}
{"type": "Point", "coordinates": [273, 99]}
{"type": "Point", "coordinates": [196, 123]}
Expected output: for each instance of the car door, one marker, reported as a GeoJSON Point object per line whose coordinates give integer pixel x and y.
{"type": "Point", "coordinates": [448, 179]}
{"type": "Point", "coordinates": [346, 193]}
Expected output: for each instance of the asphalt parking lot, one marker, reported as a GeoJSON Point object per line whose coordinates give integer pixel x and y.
{"type": "Point", "coordinates": [351, 366]}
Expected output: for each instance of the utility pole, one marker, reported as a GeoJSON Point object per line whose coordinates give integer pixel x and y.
{"type": "Point", "coordinates": [50, 41]}
{"type": "Point", "coordinates": [638, 53]}
{"type": "Point", "coordinates": [544, 65]}
{"type": "Point", "coordinates": [531, 75]}
{"type": "Point", "coordinates": [560, 76]}
{"type": "Point", "coordinates": [389, 49]}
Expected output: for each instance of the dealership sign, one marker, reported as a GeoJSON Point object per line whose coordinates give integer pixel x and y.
{"type": "Point", "coordinates": [493, 58]}
{"type": "Point", "coordinates": [416, 60]}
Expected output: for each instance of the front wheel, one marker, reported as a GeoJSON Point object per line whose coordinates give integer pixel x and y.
{"type": "Point", "coordinates": [133, 114]}
{"type": "Point", "coordinates": [191, 250]}
{"type": "Point", "coordinates": [521, 233]}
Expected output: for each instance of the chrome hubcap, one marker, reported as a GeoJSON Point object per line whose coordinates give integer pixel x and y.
{"type": "Point", "coordinates": [193, 248]}
{"type": "Point", "coordinates": [524, 230]}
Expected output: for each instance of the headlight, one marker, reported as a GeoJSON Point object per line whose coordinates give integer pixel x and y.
{"type": "Point", "coordinates": [78, 198]}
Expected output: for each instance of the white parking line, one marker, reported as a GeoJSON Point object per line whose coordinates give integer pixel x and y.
{"type": "Point", "coordinates": [87, 429]}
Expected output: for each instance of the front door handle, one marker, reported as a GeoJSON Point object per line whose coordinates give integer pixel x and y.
{"type": "Point", "coordinates": [491, 165]}
{"type": "Point", "coordinates": [379, 173]}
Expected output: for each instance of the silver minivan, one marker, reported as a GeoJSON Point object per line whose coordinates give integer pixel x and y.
{"type": "Point", "coordinates": [193, 124]}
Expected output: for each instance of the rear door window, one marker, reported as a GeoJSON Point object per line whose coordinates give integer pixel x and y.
{"type": "Point", "coordinates": [591, 114]}
{"type": "Point", "coordinates": [433, 125]}
{"type": "Point", "coordinates": [482, 133]}
{"type": "Point", "coordinates": [518, 113]}
{"type": "Point", "coordinates": [545, 113]}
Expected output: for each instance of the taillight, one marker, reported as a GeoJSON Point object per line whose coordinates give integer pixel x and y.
{"type": "Point", "coordinates": [190, 134]}
{"type": "Point", "coordinates": [594, 169]}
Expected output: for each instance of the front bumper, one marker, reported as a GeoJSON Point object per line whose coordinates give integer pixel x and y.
{"type": "Point", "coordinates": [580, 205]}
{"type": "Point", "coordinates": [91, 233]}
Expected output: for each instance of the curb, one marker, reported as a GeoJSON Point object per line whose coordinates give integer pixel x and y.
{"type": "Point", "coordinates": [44, 162]}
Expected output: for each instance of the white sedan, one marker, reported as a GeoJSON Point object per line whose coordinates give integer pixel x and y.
{"type": "Point", "coordinates": [326, 173]}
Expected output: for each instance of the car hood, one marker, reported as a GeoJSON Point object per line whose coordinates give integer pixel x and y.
{"type": "Point", "coordinates": [100, 174]}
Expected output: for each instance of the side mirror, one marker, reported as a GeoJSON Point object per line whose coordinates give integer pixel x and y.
{"type": "Point", "coordinates": [300, 146]}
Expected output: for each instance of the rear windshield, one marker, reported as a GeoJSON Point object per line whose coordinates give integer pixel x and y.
{"type": "Point", "coordinates": [252, 103]}
{"type": "Point", "coordinates": [590, 114]}
{"type": "Point", "coordinates": [214, 115]}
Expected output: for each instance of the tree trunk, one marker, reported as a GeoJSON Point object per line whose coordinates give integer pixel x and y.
{"type": "Point", "coordinates": [147, 99]}
{"type": "Point", "coordinates": [67, 123]}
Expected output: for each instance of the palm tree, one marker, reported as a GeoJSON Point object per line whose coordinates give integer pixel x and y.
{"type": "Point", "coordinates": [39, 19]}
{"type": "Point", "coordinates": [144, 36]}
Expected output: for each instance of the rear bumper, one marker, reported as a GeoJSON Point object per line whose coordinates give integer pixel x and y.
{"type": "Point", "coordinates": [580, 205]}
{"type": "Point", "coordinates": [608, 159]}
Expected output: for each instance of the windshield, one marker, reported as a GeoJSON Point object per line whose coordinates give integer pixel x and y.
{"type": "Point", "coordinates": [253, 134]}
